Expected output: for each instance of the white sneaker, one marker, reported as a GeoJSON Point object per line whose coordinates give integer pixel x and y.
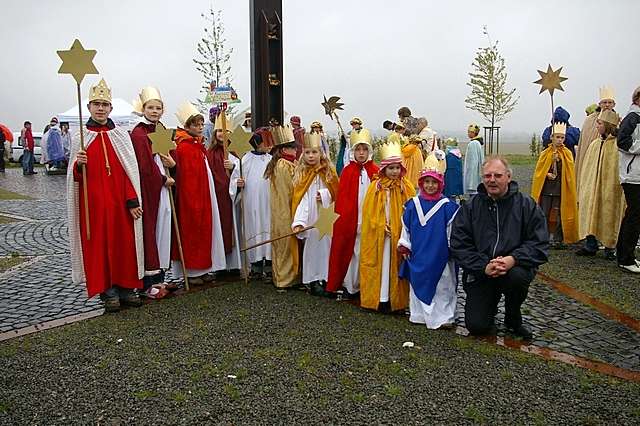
{"type": "Point", "coordinates": [635, 268]}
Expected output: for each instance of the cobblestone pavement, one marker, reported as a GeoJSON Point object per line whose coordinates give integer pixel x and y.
{"type": "Point", "coordinates": [39, 186]}
{"type": "Point", "coordinates": [41, 290]}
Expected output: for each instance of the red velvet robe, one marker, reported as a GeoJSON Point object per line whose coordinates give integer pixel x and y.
{"type": "Point", "coordinates": [110, 255]}
{"type": "Point", "coordinates": [346, 226]}
{"type": "Point", "coordinates": [215, 157]}
{"type": "Point", "coordinates": [151, 183]}
{"type": "Point", "coordinates": [193, 202]}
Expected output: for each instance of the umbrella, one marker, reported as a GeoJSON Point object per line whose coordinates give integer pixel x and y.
{"type": "Point", "coordinates": [7, 133]}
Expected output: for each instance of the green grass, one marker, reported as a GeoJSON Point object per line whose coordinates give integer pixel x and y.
{"type": "Point", "coordinates": [8, 195]}
{"type": "Point", "coordinates": [521, 159]}
{"type": "Point", "coordinates": [7, 263]}
{"type": "Point", "coordinates": [5, 219]}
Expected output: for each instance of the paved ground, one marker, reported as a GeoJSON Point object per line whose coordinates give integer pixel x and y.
{"type": "Point", "coordinates": [40, 289]}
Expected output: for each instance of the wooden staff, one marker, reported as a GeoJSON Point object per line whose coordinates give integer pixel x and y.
{"type": "Point", "coordinates": [291, 234]}
{"type": "Point", "coordinates": [83, 167]}
{"type": "Point", "coordinates": [174, 218]}
{"type": "Point", "coordinates": [246, 268]}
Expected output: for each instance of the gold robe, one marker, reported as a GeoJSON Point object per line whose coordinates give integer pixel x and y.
{"type": "Point", "coordinates": [568, 196]}
{"type": "Point", "coordinates": [588, 133]}
{"type": "Point", "coordinates": [284, 252]}
{"type": "Point", "coordinates": [600, 196]}
{"type": "Point", "coordinates": [372, 242]}
{"type": "Point", "coordinates": [413, 162]}
{"type": "Point", "coordinates": [302, 182]}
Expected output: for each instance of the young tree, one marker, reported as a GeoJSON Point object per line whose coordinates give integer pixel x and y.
{"type": "Point", "coordinates": [213, 60]}
{"type": "Point", "coordinates": [489, 95]}
{"type": "Point", "coordinates": [534, 146]}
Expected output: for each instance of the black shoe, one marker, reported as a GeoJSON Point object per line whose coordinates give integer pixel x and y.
{"type": "Point", "coordinates": [131, 299]}
{"type": "Point", "coordinates": [521, 331]}
{"type": "Point", "coordinates": [317, 289]}
{"type": "Point", "coordinates": [610, 254]}
{"type": "Point", "coordinates": [384, 307]}
{"type": "Point", "coordinates": [111, 305]}
{"type": "Point", "coordinates": [584, 252]}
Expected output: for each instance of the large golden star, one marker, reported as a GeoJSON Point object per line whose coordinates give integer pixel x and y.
{"type": "Point", "coordinates": [77, 61]}
{"type": "Point", "coordinates": [550, 80]}
{"type": "Point", "coordinates": [326, 219]}
{"type": "Point", "coordinates": [332, 104]}
{"type": "Point", "coordinates": [240, 142]}
{"type": "Point", "coordinates": [162, 140]}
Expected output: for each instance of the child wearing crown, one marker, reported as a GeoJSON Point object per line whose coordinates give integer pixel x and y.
{"type": "Point", "coordinates": [315, 183]}
{"type": "Point", "coordinates": [380, 287]}
{"type": "Point", "coordinates": [344, 258]}
{"type": "Point", "coordinates": [226, 175]}
{"type": "Point", "coordinates": [554, 189]}
{"type": "Point", "coordinates": [107, 252]}
{"type": "Point", "coordinates": [279, 173]}
{"type": "Point", "coordinates": [156, 215]}
{"type": "Point", "coordinates": [424, 246]}
{"type": "Point", "coordinates": [196, 202]}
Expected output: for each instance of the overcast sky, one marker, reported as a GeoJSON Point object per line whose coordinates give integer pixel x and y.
{"type": "Point", "coordinates": [377, 55]}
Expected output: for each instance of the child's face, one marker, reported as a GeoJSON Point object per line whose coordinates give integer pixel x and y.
{"type": "Point", "coordinates": [219, 134]}
{"type": "Point", "coordinates": [196, 128]}
{"type": "Point", "coordinates": [361, 153]}
{"type": "Point", "coordinates": [311, 156]}
{"type": "Point", "coordinates": [600, 127]}
{"type": "Point", "coordinates": [289, 151]}
{"type": "Point", "coordinates": [153, 110]}
{"type": "Point", "coordinates": [558, 140]}
{"type": "Point", "coordinates": [430, 185]}
{"type": "Point", "coordinates": [393, 171]}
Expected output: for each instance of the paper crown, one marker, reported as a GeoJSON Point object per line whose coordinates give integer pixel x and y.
{"type": "Point", "coordinates": [137, 106]}
{"type": "Point", "coordinates": [559, 129]}
{"type": "Point", "coordinates": [316, 124]}
{"type": "Point", "coordinates": [607, 92]}
{"type": "Point", "coordinates": [186, 111]}
{"type": "Point", "coordinates": [148, 94]}
{"type": "Point", "coordinates": [222, 122]}
{"type": "Point", "coordinates": [391, 149]}
{"type": "Point", "coordinates": [356, 120]}
{"type": "Point", "coordinates": [609, 117]}
{"type": "Point", "coordinates": [473, 128]}
{"type": "Point", "coordinates": [312, 140]}
{"type": "Point", "coordinates": [282, 135]}
{"type": "Point", "coordinates": [363, 136]}
{"type": "Point", "coordinates": [100, 92]}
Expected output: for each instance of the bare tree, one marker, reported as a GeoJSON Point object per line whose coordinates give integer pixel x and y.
{"type": "Point", "coordinates": [213, 60]}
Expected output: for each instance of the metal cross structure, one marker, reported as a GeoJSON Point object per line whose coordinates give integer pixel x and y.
{"type": "Point", "coordinates": [266, 62]}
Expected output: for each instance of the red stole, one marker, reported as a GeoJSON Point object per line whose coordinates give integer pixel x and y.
{"type": "Point", "coordinates": [215, 157]}
{"type": "Point", "coordinates": [346, 226]}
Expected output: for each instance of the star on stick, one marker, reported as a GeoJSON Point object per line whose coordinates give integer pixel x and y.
{"type": "Point", "coordinates": [240, 142]}
{"type": "Point", "coordinates": [331, 105]}
{"type": "Point", "coordinates": [162, 140]}
{"type": "Point", "coordinates": [77, 61]}
{"type": "Point", "coordinates": [550, 80]}
{"type": "Point", "coordinates": [326, 219]}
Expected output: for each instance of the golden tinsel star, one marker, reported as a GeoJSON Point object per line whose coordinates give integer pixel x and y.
{"type": "Point", "coordinates": [550, 80]}
{"type": "Point", "coordinates": [326, 219]}
{"type": "Point", "coordinates": [77, 61]}
{"type": "Point", "coordinates": [240, 142]}
{"type": "Point", "coordinates": [162, 140]}
{"type": "Point", "coordinates": [332, 104]}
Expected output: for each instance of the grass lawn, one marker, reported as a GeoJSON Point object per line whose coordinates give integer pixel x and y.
{"type": "Point", "coordinates": [241, 354]}
{"type": "Point", "coordinates": [9, 262]}
{"type": "Point", "coordinates": [5, 219]}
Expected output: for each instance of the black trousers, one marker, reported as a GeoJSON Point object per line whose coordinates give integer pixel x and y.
{"type": "Point", "coordinates": [630, 226]}
{"type": "Point", "coordinates": [2, 157]}
{"type": "Point", "coordinates": [483, 296]}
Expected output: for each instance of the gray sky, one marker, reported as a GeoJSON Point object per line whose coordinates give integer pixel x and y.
{"type": "Point", "coordinates": [377, 55]}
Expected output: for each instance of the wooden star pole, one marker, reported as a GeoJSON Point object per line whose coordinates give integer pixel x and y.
{"type": "Point", "coordinates": [330, 106]}
{"type": "Point", "coordinates": [550, 81]}
{"type": "Point", "coordinates": [79, 62]}
{"type": "Point", "coordinates": [162, 143]}
{"type": "Point", "coordinates": [240, 146]}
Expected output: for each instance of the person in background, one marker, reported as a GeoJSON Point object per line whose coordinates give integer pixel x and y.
{"type": "Point", "coordinates": [473, 159]}
{"type": "Point", "coordinates": [28, 143]}
{"type": "Point", "coordinates": [298, 133]}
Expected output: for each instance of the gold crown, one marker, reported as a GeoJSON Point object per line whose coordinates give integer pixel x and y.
{"type": "Point", "coordinates": [559, 128]}
{"type": "Point", "coordinates": [391, 148]}
{"type": "Point", "coordinates": [312, 140]}
{"type": "Point", "coordinates": [137, 106]}
{"type": "Point", "coordinates": [100, 92]}
{"type": "Point", "coordinates": [363, 136]}
{"type": "Point", "coordinates": [609, 117]}
{"type": "Point", "coordinates": [149, 93]}
{"type": "Point", "coordinates": [282, 135]}
{"type": "Point", "coordinates": [315, 124]}
{"type": "Point", "coordinates": [607, 92]}
{"type": "Point", "coordinates": [473, 128]}
{"type": "Point", "coordinates": [222, 121]}
{"type": "Point", "coordinates": [356, 120]}
{"type": "Point", "coordinates": [186, 111]}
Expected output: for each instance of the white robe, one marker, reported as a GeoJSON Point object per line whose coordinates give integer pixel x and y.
{"type": "Point", "coordinates": [386, 257]}
{"type": "Point", "coordinates": [257, 207]}
{"type": "Point", "coordinates": [163, 224]}
{"type": "Point", "coordinates": [352, 278]}
{"type": "Point", "coordinates": [233, 259]}
{"type": "Point", "coordinates": [315, 257]}
{"type": "Point", "coordinates": [218, 260]}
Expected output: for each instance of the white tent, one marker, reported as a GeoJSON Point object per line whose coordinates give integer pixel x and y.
{"type": "Point", "coordinates": [122, 114]}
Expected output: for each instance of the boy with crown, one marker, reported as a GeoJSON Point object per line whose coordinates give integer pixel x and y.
{"type": "Point", "coordinates": [315, 182]}
{"type": "Point", "coordinates": [279, 173]}
{"type": "Point", "coordinates": [344, 258]}
{"type": "Point", "coordinates": [196, 203]}
{"type": "Point", "coordinates": [225, 168]}
{"type": "Point", "coordinates": [110, 258]}
{"type": "Point", "coordinates": [156, 216]}
{"type": "Point", "coordinates": [554, 188]}
{"type": "Point", "coordinates": [380, 287]}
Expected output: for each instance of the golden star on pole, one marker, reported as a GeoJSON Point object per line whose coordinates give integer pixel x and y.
{"type": "Point", "coordinates": [326, 219]}
{"type": "Point", "coordinates": [162, 140]}
{"type": "Point", "coordinates": [77, 61]}
{"type": "Point", "coordinates": [550, 80]}
{"type": "Point", "coordinates": [332, 104]}
{"type": "Point", "coordinates": [240, 142]}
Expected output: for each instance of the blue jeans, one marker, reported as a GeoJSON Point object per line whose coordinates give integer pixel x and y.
{"type": "Point", "coordinates": [27, 162]}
